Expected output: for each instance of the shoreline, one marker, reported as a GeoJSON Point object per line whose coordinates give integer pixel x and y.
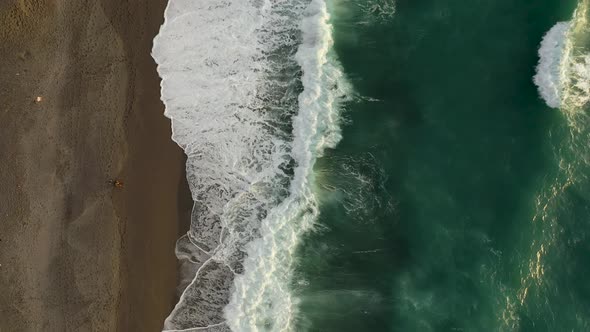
{"type": "Point", "coordinates": [75, 253]}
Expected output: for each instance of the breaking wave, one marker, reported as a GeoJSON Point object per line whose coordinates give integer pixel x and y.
{"type": "Point", "coordinates": [253, 92]}
{"type": "Point", "coordinates": [548, 77]}
{"type": "Point", "coordinates": [563, 72]}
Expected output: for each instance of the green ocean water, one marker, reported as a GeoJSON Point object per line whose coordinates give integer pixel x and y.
{"type": "Point", "coordinates": [457, 199]}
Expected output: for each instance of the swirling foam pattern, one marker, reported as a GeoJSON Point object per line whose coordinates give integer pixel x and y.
{"type": "Point", "coordinates": [253, 92]}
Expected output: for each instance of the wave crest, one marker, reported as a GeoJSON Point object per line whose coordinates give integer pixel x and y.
{"type": "Point", "coordinates": [548, 77]}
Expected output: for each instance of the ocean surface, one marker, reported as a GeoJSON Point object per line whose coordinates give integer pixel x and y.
{"type": "Point", "coordinates": [381, 165]}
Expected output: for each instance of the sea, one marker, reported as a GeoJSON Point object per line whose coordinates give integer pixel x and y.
{"type": "Point", "coordinates": [381, 165]}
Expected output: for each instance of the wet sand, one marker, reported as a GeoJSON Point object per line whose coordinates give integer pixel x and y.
{"type": "Point", "coordinates": [76, 253]}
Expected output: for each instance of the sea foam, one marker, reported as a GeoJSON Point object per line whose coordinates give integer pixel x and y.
{"type": "Point", "coordinates": [548, 77]}
{"type": "Point", "coordinates": [253, 91]}
{"type": "Point", "coordinates": [563, 72]}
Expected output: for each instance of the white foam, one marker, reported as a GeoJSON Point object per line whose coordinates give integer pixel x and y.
{"type": "Point", "coordinates": [563, 73]}
{"type": "Point", "coordinates": [576, 65]}
{"type": "Point", "coordinates": [577, 91]}
{"type": "Point", "coordinates": [229, 82]}
{"type": "Point", "coordinates": [262, 299]}
{"type": "Point", "coordinates": [548, 77]}
{"type": "Point", "coordinates": [575, 69]}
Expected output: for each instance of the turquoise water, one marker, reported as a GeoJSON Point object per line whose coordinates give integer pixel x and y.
{"type": "Point", "coordinates": [457, 199]}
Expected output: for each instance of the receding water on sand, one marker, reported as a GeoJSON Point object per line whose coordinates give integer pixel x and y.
{"type": "Point", "coordinates": [253, 93]}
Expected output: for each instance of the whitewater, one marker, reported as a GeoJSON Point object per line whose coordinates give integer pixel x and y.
{"type": "Point", "coordinates": [253, 91]}
{"type": "Point", "coordinates": [563, 71]}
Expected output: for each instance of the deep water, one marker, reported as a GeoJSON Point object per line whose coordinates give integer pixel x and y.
{"type": "Point", "coordinates": [455, 200]}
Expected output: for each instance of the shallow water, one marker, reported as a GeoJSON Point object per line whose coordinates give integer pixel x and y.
{"type": "Point", "coordinates": [382, 165]}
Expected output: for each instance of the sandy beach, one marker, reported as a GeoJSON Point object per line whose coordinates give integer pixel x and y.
{"type": "Point", "coordinates": [76, 253]}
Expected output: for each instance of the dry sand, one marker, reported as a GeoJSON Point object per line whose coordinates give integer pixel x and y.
{"type": "Point", "coordinates": [77, 254]}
